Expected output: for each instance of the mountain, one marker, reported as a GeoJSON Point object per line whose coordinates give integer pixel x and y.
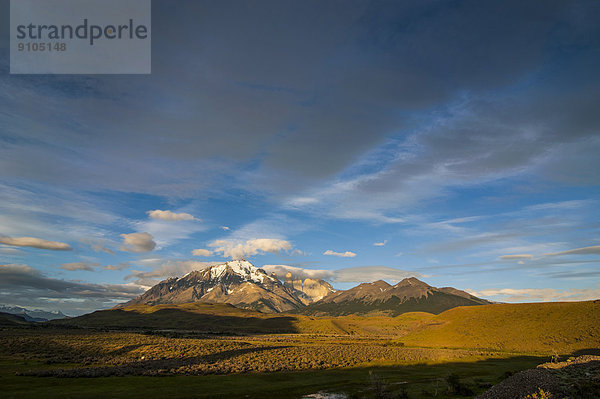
{"type": "Point", "coordinates": [409, 295]}
{"type": "Point", "coordinates": [308, 290]}
{"type": "Point", "coordinates": [245, 286]}
{"type": "Point", "coordinates": [32, 315]}
{"type": "Point", "coordinates": [237, 283]}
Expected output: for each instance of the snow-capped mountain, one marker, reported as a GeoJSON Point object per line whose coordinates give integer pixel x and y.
{"type": "Point", "coordinates": [236, 282]}
{"type": "Point", "coordinates": [36, 315]}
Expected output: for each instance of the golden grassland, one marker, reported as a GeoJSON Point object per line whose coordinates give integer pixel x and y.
{"type": "Point", "coordinates": [560, 327]}
{"type": "Point", "coordinates": [196, 341]}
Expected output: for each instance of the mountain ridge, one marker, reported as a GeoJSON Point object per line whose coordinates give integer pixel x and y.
{"type": "Point", "coordinates": [245, 286]}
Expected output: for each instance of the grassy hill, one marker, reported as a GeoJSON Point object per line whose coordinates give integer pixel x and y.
{"type": "Point", "coordinates": [12, 320]}
{"type": "Point", "coordinates": [531, 327]}
{"type": "Point", "coordinates": [545, 327]}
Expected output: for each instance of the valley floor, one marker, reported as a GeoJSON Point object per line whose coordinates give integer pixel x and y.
{"type": "Point", "coordinates": [44, 362]}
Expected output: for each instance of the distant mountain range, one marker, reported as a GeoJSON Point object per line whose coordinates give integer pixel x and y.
{"type": "Point", "coordinates": [243, 285]}
{"type": "Point", "coordinates": [32, 315]}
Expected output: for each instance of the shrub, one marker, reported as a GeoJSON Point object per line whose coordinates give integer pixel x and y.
{"type": "Point", "coordinates": [540, 394]}
{"type": "Point", "coordinates": [456, 387]}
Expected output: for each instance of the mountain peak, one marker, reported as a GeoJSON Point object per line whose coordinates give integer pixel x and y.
{"type": "Point", "coordinates": [242, 268]}
{"type": "Point", "coordinates": [411, 281]}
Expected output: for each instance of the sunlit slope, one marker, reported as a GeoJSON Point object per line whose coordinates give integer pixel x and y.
{"type": "Point", "coordinates": [562, 327]}
{"type": "Point", "coordinates": [224, 318]}
{"type": "Point", "coordinates": [534, 327]}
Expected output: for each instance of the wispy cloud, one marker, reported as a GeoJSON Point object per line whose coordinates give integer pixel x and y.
{"type": "Point", "coordinates": [166, 269]}
{"type": "Point", "coordinates": [347, 254]}
{"type": "Point", "coordinates": [380, 244]}
{"type": "Point", "coordinates": [88, 266]}
{"type": "Point", "coordinates": [98, 245]}
{"type": "Point", "coordinates": [35, 243]}
{"type": "Point", "coordinates": [516, 257]}
{"type": "Point", "coordinates": [361, 274]}
{"type": "Point", "coordinates": [593, 250]}
{"type": "Point", "coordinates": [539, 294]}
{"type": "Point", "coordinates": [170, 216]}
{"type": "Point", "coordinates": [202, 252]}
{"type": "Point", "coordinates": [298, 272]}
{"type": "Point", "coordinates": [118, 266]}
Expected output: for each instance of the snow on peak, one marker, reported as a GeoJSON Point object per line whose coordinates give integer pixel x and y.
{"type": "Point", "coordinates": [241, 267]}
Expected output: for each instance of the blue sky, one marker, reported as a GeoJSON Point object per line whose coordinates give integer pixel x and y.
{"type": "Point", "coordinates": [462, 137]}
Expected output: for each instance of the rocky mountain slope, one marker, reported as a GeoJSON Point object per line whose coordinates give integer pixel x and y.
{"type": "Point", "coordinates": [308, 290]}
{"type": "Point", "coordinates": [409, 295]}
{"type": "Point", "coordinates": [237, 283]}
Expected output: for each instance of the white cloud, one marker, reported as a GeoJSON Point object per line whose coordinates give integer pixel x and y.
{"type": "Point", "coordinates": [35, 243]}
{"type": "Point", "coordinates": [170, 216]}
{"type": "Point", "coordinates": [346, 254]}
{"type": "Point", "coordinates": [79, 266]}
{"type": "Point", "coordinates": [363, 274]}
{"type": "Point", "coordinates": [516, 257]}
{"type": "Point", "coordinates": [298, 272]}
{"type": "Point", "coordinates": [593, 250]}
{"type": "Point", "coordinates": [167, 269]}
{"type": "Point", "coordinates": [239, 249]}
{"type": "Point", "coordinates": [119, 266]}
{"type": "Point", "coordinates": [202, 252]}
{"type": "Point", "coordinates": [138, 242]}
{"type": "Point", "coordinates": [380, 244]}
{"type": "Point", "coordinates": [539, 294]}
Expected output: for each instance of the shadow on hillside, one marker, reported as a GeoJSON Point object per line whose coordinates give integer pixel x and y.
{"type": "Point", "coordinates": [182, 320]}
{"type": "Point", "coordinates": [179, 365]}
{"type": "Point", "coordinates": [587, 351]}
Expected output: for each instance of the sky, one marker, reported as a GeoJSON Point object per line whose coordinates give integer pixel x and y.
{"type": "Point", "coordinates": [454, 141]}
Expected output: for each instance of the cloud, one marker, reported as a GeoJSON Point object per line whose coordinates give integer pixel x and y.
{"type": "Point", "coordinates": [170, 216]}
{"type": "Point", "coordinates": [225, 228]}
{"type": "Point", "coordinates": [88, 266]}
{"type": "Point", "coordinates": [380, 244]}
{"type": "Point", "coordinates": [346, 254]}
{"type": "Point", "coordinates": [202, 252]}
{"type": "Point", "coordinates": [138, 242]}
{"type": "Point", "coordinates": [237, 249]}
{"type": "Point", "coordinates": [167, 269]}
{"type": "Point", "coordinates": [119, 266]}
{"type": "Point", "coordinates": [513, 257]}
{"type": "Point", "coordinates": [24, 285]}
{"type": "Point", "coordinates": [98, 245]}
{"type": "Point", "coordinates": [539, 294]}
{"type": "Point", "coordinates": [35, 243]}
{"type": "Point", "coordinates": [281, 270]}
{"type": "Point", "coordinates": [593, 250]}
{"type": "Point", "coordinates": [361, 274]}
